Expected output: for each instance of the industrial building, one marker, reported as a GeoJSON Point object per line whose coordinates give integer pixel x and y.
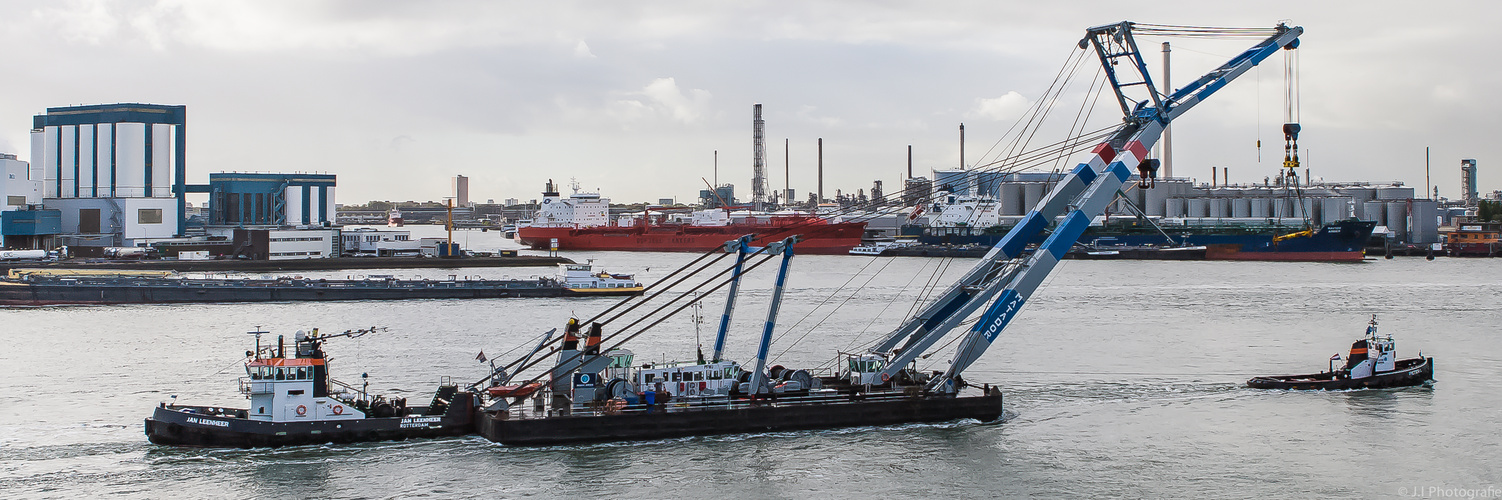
{"type": "Point", "coordinates": [24, 224]}
{"type": "Point", "coordinates": [114, 171]}
{"type": "Point", "coordinates": [262, 199]}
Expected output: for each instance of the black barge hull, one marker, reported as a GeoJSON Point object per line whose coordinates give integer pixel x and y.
{"type": "Point", "coordinates": [1409, 372]}
{"type": "Point", "coordinates": [192, 426]}
{"type": "Point", "coordinates": [165, 291]}
{"type": "Point", "coordinates": [744, 417]}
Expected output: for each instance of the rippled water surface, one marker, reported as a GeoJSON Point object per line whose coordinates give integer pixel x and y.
{"type": "Point", "coordinates": [1123, 379]}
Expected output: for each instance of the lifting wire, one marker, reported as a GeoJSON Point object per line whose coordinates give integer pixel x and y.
{"type": "Point", "coordinates": [644, 329]}
{"type": "Point", "coordinates": [831, 295]}
{"type": "Point", "coordinates": [551, 342]}
{"type": "Point", "coordinates": [826, 316]}
{"type": "Point", "coordinates": [900, 292]}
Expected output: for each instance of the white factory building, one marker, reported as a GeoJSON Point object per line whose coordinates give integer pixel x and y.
{"type": "Point", "coordinates": [115, 171]}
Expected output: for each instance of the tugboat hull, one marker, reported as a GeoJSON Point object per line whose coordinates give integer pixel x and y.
{"type": "Point", "coordinates": [660, 423]}
{"type": "Point", "coordinates": [194, 426]}
{"type": "Point", "coordinates": [1409, 372]}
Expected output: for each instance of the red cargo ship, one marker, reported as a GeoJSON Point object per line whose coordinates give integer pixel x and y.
{"type": "Point", "coordinates": [580, 222]}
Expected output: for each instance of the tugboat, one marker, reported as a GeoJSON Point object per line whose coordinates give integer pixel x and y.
{"type": "Point", "coordinates": [293, 401]}
{"type": "Point", "coordinates": [1370, 365]}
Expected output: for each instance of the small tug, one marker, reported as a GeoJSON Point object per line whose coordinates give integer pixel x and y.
{"type": "Point", "coordinates": [293, 401]}
{"type": "Point", "coordinates": [1370, 365]}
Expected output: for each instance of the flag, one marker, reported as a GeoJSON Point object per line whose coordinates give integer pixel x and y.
{"type": "Point", "coordinates": [1335, 357]}
{"type": "Point", "coordinates": [481, 357]}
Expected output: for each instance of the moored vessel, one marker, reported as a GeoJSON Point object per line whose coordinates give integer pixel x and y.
{"type": "Point", "coordinates": [294, 401]}
{"type": "Point", "coordinates": [581, 222]}
{"type": "Point", "coordinates": [1371, 364]}
{"type": "Point", "coordinates": [58, 287]}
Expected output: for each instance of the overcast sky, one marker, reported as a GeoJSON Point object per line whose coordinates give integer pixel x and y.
{"type": "Point", "coordinates": [633, 98]}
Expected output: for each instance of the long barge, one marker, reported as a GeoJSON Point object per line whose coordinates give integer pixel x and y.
{"type": "Point", "coordinates": [38, 289]}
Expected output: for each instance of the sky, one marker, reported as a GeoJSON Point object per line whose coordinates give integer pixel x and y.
{"type": "Point", "coordinates": [634, 99]}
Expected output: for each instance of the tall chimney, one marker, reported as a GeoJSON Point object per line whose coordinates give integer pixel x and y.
{"type": "Point", "coordinates": [1167, 128]}
{"type": "Point", "coordinates": [909, 161]}
{"type": "Point", "coordinates": [962, 146]}
{"type": "Point", "coordinates": [821, 170]}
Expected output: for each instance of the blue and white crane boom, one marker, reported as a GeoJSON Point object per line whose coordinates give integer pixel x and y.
{"type": "Point", "coordinates": [1008, 276]}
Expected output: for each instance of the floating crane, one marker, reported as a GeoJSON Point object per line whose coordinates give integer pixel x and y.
{"type": "Point", "coordinates": [1007, 276]}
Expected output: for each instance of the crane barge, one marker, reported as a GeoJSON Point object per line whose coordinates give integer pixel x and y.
{"type": "Point", "coordinates": [597, 393]}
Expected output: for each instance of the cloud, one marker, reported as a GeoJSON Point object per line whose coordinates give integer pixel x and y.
{"type": "Point", "coordinates": [1007, 107]}
{"type": "Point", "coordinates": [662, 99]}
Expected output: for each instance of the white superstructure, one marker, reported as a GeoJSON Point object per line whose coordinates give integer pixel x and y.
{"type": "Point", "coordinates": [578, 210]}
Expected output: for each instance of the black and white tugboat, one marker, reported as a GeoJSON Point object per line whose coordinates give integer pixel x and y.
{"type": "Point", "coordinates": [1372, 364]}
{"type": "Point", "coordinates": [293, 401]}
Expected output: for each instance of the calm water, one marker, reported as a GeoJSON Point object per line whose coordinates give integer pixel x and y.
{"type": "Point", "coordinates": [1123, 379]}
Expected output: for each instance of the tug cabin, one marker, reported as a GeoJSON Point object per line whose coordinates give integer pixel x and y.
{"type": "Point", "coordinates": [864, 369]}
{"type": "Point", "coordinates": [292, 390]}
{"type": "Point", "coordinates": [690, 381]}
{"type": "Point", "coordinates": [1371, 356]}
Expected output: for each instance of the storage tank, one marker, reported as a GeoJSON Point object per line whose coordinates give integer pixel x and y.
{"type": "Point", "coordinates": [1011, 199]}
{"type": "Point", "coordinates": [1032, 193]}
{"type": "Point", "coordinates": [1397, 220]}
{"type": "Point", "coordinates": [1389, 193]}
{"type": "Point", "coordinates": [1155, 202]}
{"type": "Point", "coordinates": [1218, 208]}
{"type": "Point", "coordinates": [1261, 207]}
{"type": "Point", "coordinates": [1360, 194]}
{"type": "Point", "coordinates": [1374, 211]}
{"type": "Point", "coordinates": [1197, 208]}
{"type": "Point", "coordinates": [1241, 208]}
{"type": "Point", "coordinates": [1173, 207]}
{"type": "Point", "coordinates": [1334, 208]}
{"type": "Point", "coordinates": [1423, 222]}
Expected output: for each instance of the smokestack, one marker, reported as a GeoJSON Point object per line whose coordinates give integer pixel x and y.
{"type": "Point", "coordinates": [1167, 129]}
{"type": "Point", "coordinates": [821, 170]}
{"type": "Point", "coordinates": [1225, 175]}
{"type": "Point", "coordinates": [759, 159]}
{"type": "Point", "coordinates": [962, 146]}
{"type": "Point", "coordinates": [1213, 181]}
{"type": "Point", "coordinates": [787, 187]}
{"type": "Point", "coordinates": [909, 161]}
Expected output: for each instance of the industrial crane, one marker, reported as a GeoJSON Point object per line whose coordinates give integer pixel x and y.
{"type": "Point", "coordinates": [1007, 276]}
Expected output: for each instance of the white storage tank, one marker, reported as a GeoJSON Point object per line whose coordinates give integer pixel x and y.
{"type": "Point", "coordinates": [1261, 208]}
{"type": "Point", "coordinates": [1389, 193]}
{"type": "Point", "coordinates": [1197, 208]}
{"type": "Point", "coordinates": [1360, 194]}
{"type": "Point", "coordinates": [1333, 209]}
{"type": "Point", "coordinates": [1397, 220]}
{"type": "Point", "coordinates": [1011, 199]}
{"type": "Point", "coordinates": [1423, 222]}
{"type": "Point", "coordinates": [1218, 208]}
{"type": "Point", "coordinates": [1241, 208]}
{"type": "Point", "coordinates": [1374, 211]}
{"type": "Point", "coordinates": [1032, 193]}
{"type": "Point", "coordinates": [1155, 201]}
{"type": "Point", "coordinates": [1173, 207]}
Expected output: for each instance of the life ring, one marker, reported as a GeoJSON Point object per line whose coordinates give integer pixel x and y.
{"type": "Point", "coordinates": [885, 377]}
{"type": "Point", "coordinates": [338, 409]}
{"type": "Point", "coordinates": [302, 410]}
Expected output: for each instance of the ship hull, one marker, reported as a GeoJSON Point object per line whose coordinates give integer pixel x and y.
{"type": "Point", "coordinates": [741, 418]}
{"type": "Point", "coordinates": [820, 238]}
{"type": "Point", "coordinates": [1409, 372]}
{"type": "Point", "coordinates": [193, 426]}
{"type": "Point", "coordinates": [164, 291]}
